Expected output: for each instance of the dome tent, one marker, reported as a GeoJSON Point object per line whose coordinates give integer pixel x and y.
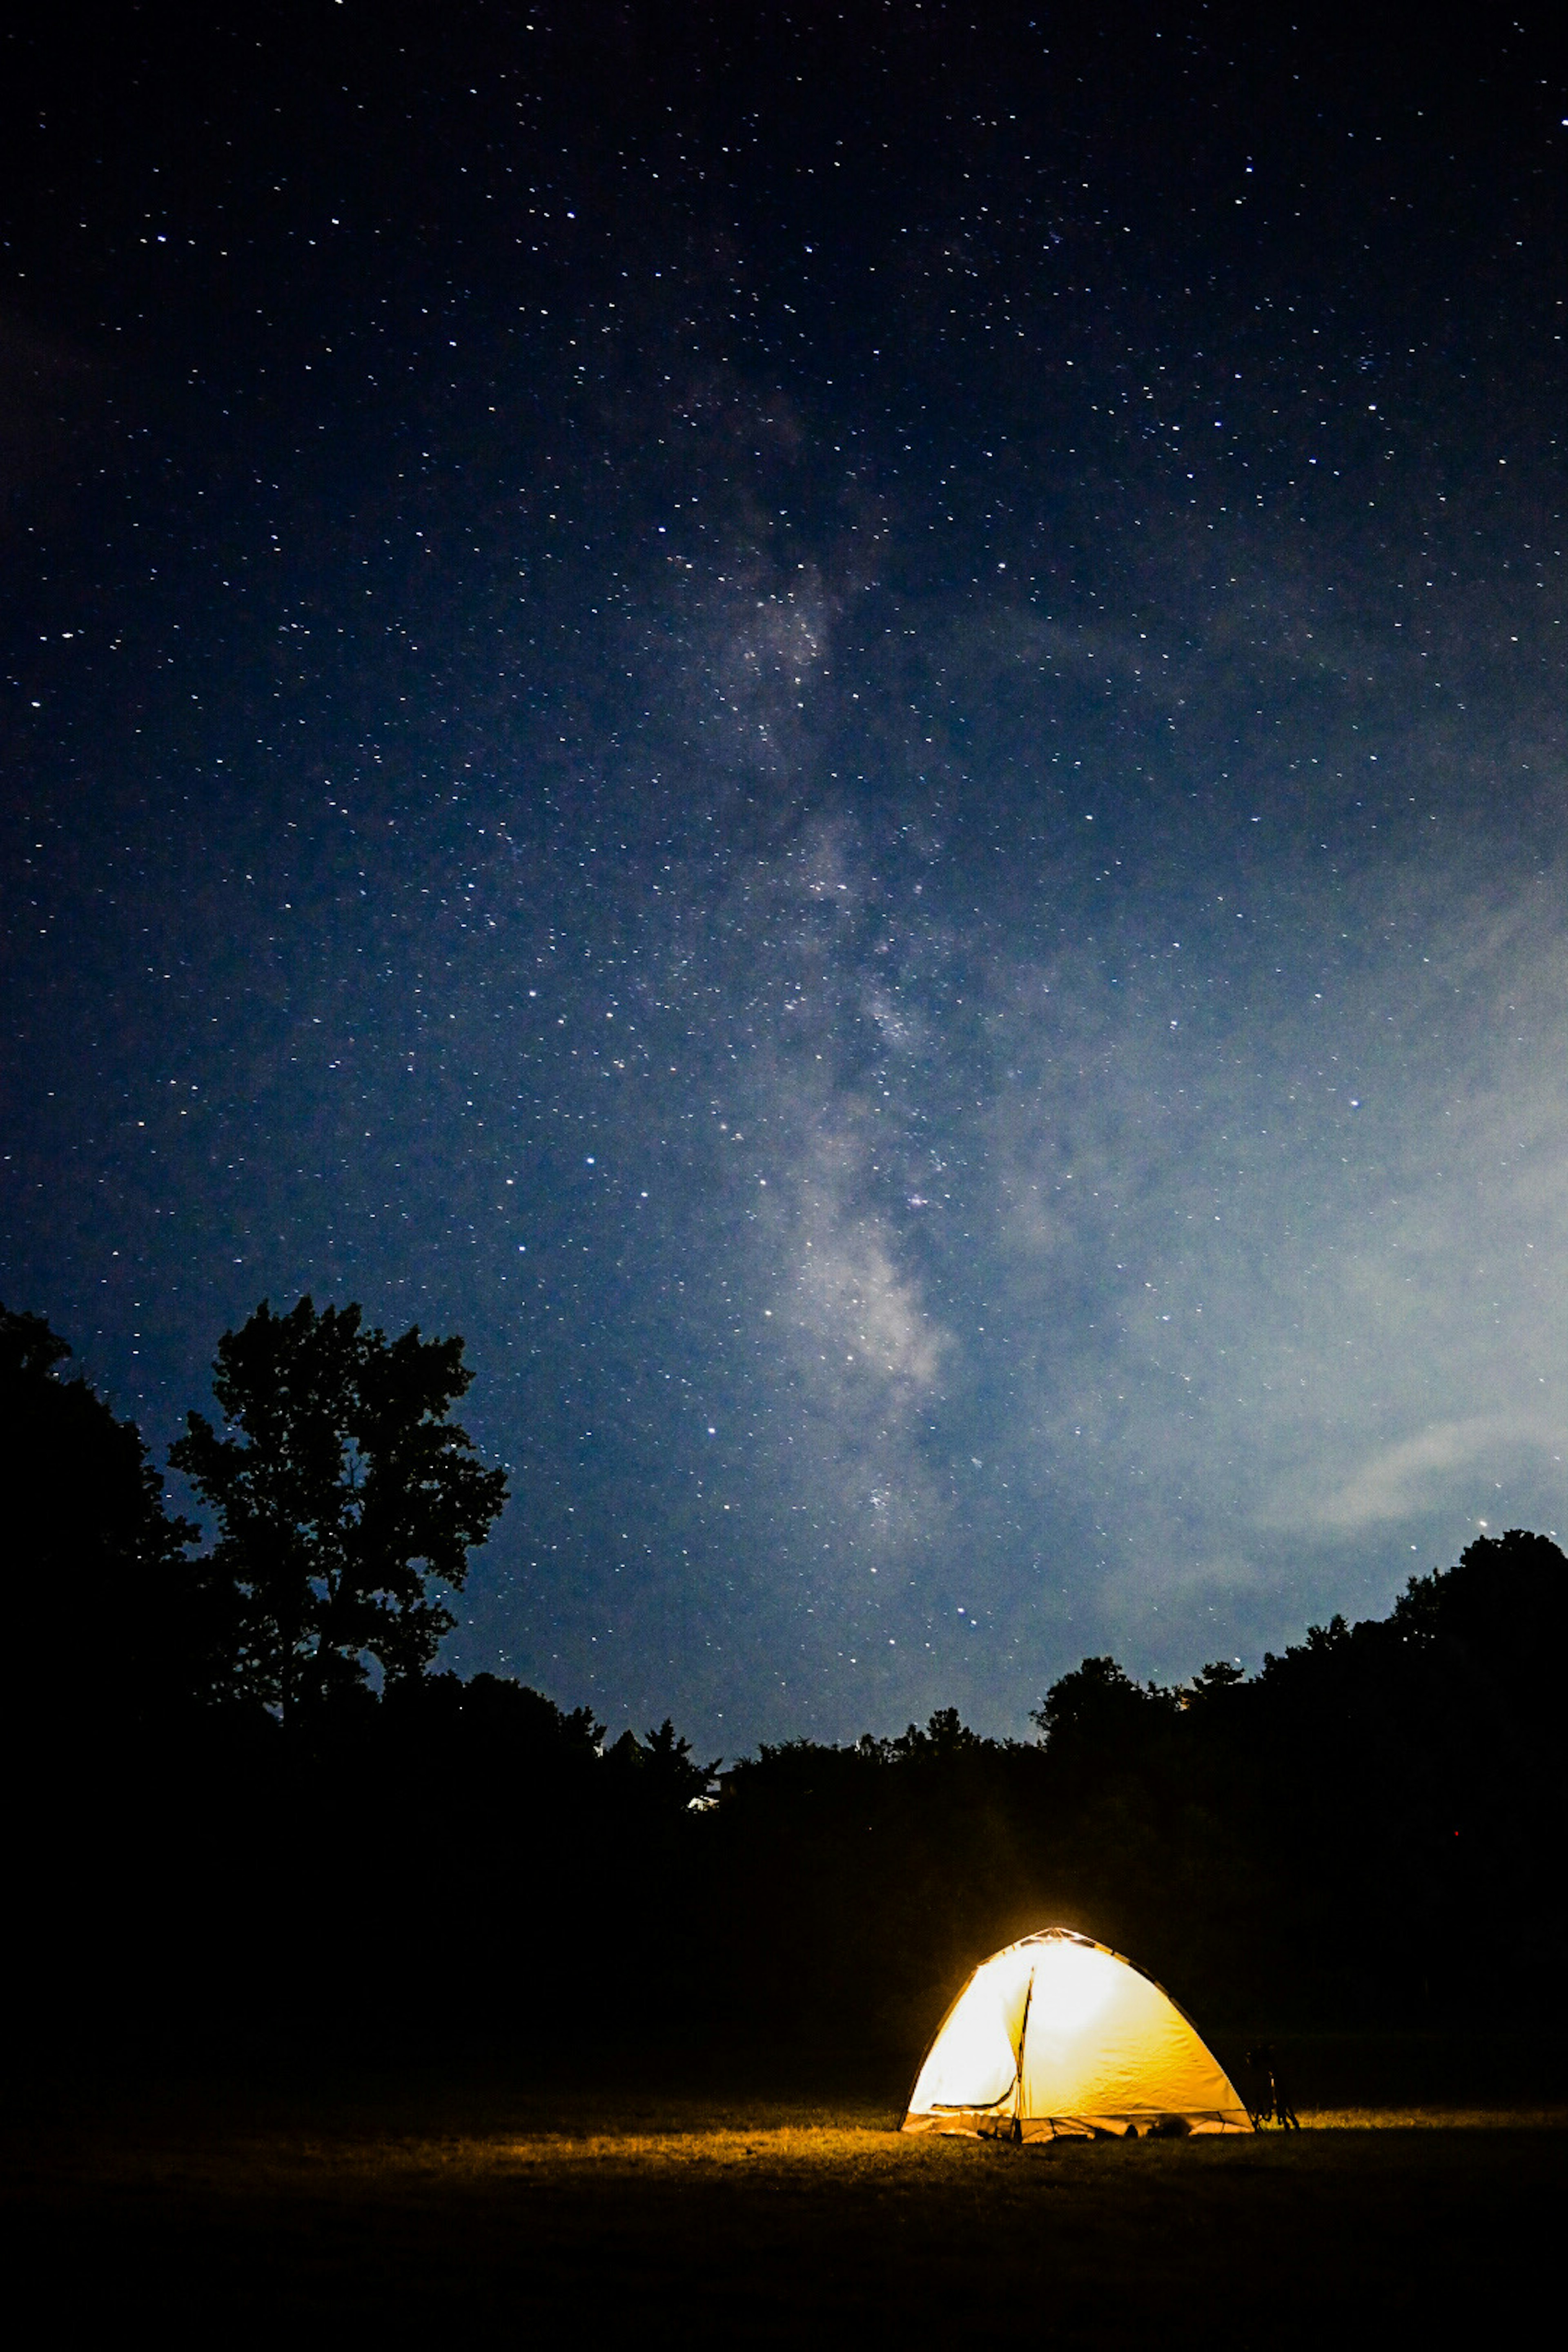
{"type": "Point", "coordinates": [1060, 2037]}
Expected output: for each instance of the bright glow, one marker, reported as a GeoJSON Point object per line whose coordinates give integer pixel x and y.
{"type": "Point", "coordinates": [1073, 1983]}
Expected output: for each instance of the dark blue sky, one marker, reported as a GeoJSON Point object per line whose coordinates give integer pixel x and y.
{"type": "Point", "coordinates": [845, 727]}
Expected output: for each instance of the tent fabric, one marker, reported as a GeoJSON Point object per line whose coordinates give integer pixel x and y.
{"type": "Point", "coordinates": [1060, 2037]}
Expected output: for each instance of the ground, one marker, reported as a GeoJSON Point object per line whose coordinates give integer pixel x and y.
{"type": "Point", "coordinates": [435, 2208]}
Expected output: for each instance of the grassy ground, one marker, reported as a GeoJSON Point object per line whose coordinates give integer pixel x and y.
{"type": "Point", "coordinates": [443, 2209]}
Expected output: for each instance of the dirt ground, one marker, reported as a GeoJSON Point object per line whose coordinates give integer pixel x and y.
{"type": "Point", "coordinates": [531, 2216]}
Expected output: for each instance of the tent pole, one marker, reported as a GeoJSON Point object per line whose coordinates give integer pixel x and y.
{"type": "Point", "coordinates": [1018, 2077]}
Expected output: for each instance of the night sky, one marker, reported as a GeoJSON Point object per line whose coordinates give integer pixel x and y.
{"type": "Point", "coordinates": [846, 728]}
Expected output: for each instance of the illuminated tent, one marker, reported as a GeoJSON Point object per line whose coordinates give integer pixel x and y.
{"type": "Point", "coordinates": [1058, 2036]}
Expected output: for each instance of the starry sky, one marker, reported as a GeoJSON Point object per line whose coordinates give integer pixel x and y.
{"type": "Point", "coordinates": [846, 727]}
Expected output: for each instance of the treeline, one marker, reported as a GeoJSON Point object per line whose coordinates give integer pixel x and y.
{"type": "Point", "coordinates": [220, 1825]}
{"type": "Point", "coordinates": [1369, 1832]}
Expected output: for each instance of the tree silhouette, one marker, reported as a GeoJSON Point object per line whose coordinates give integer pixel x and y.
{"type": "Point", "coordinates": [343, 1492]}
{"type": "Point", "coordinates": [1097, 1720]}
{"type": "Point", "coordinates": [661, 1772]}
{"type": "Point", "coordinates": [109, 1623]}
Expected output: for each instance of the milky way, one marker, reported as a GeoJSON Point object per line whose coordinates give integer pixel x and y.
{"type": "Point", "coordinates": [850, 738]}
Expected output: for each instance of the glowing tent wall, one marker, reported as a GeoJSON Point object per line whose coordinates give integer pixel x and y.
{"type": "Point", "coordinates": [1060, 2035]}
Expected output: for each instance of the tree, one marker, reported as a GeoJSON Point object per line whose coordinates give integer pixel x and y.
{"type": "Point", "coordinates": [343, 1493]}
{"type": "Point", "coordinates": [662, 1771]}
{"type": "Point", "coordinates": [1097, 1718]}
{"type": "Point", "coordinates": [108, 1624]}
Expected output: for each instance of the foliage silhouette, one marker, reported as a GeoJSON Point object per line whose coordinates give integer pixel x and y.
{"type": "Point", "coordinates": [1096, 1714]}
{"type": "Point", "coordinates": [343, 1492]}
{"type": "Point", "coordinates": [111, 1624]}
{"type": "Point", "coordinates": [660, 1774]}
